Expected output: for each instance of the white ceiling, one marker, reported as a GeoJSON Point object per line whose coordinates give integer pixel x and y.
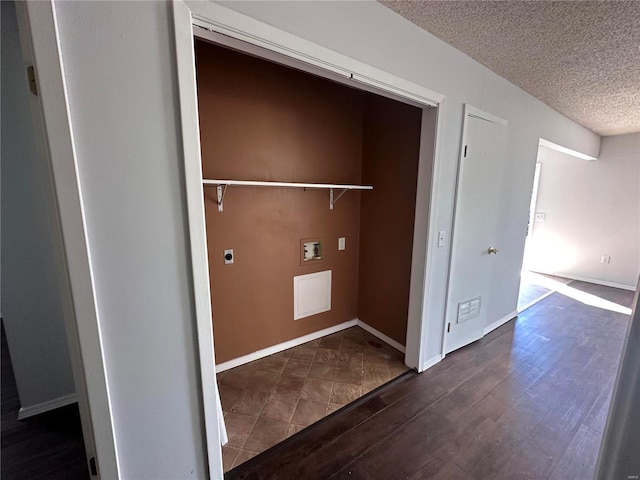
{"type": "Point", "coordinates": [581, 58]}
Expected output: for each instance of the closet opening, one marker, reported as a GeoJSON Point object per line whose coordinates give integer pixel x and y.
{"type": "Point", "coordinates": [310, 191]}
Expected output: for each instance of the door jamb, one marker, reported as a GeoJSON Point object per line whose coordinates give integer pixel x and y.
{"type": "Point", "coordinates": [41, 44]}
{"type": "Point", "coordinates": [195, 19]}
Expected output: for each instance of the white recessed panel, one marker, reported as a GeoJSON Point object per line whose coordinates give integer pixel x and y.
{"type": "Point", "coordinates": [311, 294]}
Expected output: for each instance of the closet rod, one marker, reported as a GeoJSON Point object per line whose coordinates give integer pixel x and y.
{"type": "Point", "coordinates": [221, 186]}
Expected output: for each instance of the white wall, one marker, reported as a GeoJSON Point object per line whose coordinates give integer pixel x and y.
{"type": "Point", "coordinates": [619, 450]}
{"type": "Point", "coordinates": [592, 208]}
{"type": "Point", "coordinates": [31, 307]}
{"type": "Point", "coordinates": [120, 69]}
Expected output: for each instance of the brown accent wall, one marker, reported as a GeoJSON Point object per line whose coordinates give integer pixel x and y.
{"type": "Point", "coordinates": [261, 121]}
{"type": "Point", "coordinates": [391, 148]}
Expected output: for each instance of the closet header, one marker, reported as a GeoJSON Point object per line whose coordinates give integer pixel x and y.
{"type": "Point", "coordinates": [221, 187]}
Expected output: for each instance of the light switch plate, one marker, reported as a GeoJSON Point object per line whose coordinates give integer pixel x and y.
{"type": "Point", "coordinates": [442, 236]}
{"type": "Point", "coordinates": [342, 243]}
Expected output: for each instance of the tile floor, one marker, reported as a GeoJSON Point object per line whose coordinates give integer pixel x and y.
{"type": "Point", "coordinates": [270, 399]}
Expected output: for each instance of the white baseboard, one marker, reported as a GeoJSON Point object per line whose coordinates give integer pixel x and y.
{"type": "Point", "coordinates": [31, 410]}
{"type": "Point", "coordinates": [589, 280]}
{"type": "Point", "coordinates": [539, 299]}
{"type": "Point", "coordinates": [602, 282]}
{"type": "Point", "coordinates": [431, 362]}
{"type": "Point", "coordinates": [500, 322]}
{"type": "Point", "coordinates": [265, 352]}
{"type": "Point", "coordinates": [380, 335]}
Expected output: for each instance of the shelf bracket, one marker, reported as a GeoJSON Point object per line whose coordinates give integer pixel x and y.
{"type": "Point", "coordinates": [333, 200]}
{"type": "Point", "coordinates": [221, 189]}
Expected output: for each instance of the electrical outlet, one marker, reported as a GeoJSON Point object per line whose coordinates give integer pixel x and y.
{"type": "Point", "coordinates": [605, 259]}
{"type": "Point", "coordinates": [540, 217]}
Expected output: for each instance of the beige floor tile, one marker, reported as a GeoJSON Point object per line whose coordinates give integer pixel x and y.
{"type": "Point", "coordinates": [229, 396]}
{"type": "Point", "coordinates": [349, 359]}
{"type": "Point", "coordinates": [297, 367]}
{"type": "Point", "coordinates": [348, 375]}
{"type": "Point", "coordinates": [308, 412]}
{"type": "Point", "coordinates": [243, 456]}
{"type": "Point", "coordinates": [344, 393]}
{"type": "Point", "coordinates": [279, 408]}
{"type": "Point", "coordinates": [229, 455]}
{"type": "Point", "coordinates": [238, 428]}
{"type": "Point", "coordinates": [288, 386]}
{"type": "Point", "coordinates": [331, 341]}
{"type": "Point", "coordinates": [322, 371]}
{"type": "Point", "coordinates": [251, 403]}
{"type": "Point", "coordinates": [237, 377]}
{"type": "Point", "coordinates": [293, 429]}
{"type": "Point", "coordinates": [263, 381]}
{"type": "Point", "coordinates": [275, 397]}
{"type": "Point", "coordinates": [273, 363]}
{"type": "Point", "coordinates": [326, 355]}
{"type": "Point", "coordinates": [316, 390]}
{"type": "Point", "coordinates": [265, 434]}
{"type": "Point", "coordinates": [304, 352]}
{"type": "Point", "coordinates": [377, 358]}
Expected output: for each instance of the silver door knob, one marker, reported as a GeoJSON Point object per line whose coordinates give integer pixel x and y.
{"type": "Point", "coordinates": [493, 250]}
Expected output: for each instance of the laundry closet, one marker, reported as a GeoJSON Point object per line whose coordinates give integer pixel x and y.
{"type": "Point", "coordinates": [264, 122]}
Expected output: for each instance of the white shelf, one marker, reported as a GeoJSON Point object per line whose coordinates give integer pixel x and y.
{"type": "Point", "coordinates": [222, 185]}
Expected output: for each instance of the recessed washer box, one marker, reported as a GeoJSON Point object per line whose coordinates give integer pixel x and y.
{"type": "Point", "coordinates": [311, 294]}
{"type": "Point", "coordinates": [311, 251]}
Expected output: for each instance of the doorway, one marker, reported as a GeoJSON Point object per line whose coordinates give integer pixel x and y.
{"type": "Point", "coordinates": [535, 286]}
{"type": "Point", "coordinates": [310, 193]}
{"type": "Point", "coordinates": [230, 30]}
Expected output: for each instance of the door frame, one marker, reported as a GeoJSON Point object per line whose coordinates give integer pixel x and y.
{"type": "Point", "coordinates": [41, 48]}
{"type": "Point", "coordinates": [224, 26]}
{"type": "Point", "coordinates": [468, 111]}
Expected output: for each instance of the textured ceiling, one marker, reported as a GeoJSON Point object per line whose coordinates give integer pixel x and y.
{"type": "Point", "coordinates": [581, 58]}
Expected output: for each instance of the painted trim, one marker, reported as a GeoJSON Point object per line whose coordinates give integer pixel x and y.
{"type": "Point", "coordinates": [215, 17]}
{"type": "Point", "coordinates": [604, 283]}
{"type": "Point", "coordinates": [377, 333]}
{"type": "Point", "coordinates": [472, 111]}
{"type": "Point", "coordinates": [499, 323]}
{"type": "Point", "coordinates": [45, 41]}
{"type": "Point", "coordinates": [38, 408]}
{"type": "Point", "coordinates": [430, 362]}
{"type": "Point", "coordinates": [539, 299]}
{"type": "Point", "coordinates": [424, 282]}
{"type": "Point", "coordinates": [265, 352]}
{"type": "Point", "coordinates": [55, 227]}
{"type": "Point", "coordinates": [559, 148]}
{"type": "Point", "coordinates": [215, 433]}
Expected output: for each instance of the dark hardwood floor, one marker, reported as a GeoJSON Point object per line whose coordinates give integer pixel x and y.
{"type": "Point", "coordinates": [529, 400]}
{"type": "Point", "coordinates": [47, 446]}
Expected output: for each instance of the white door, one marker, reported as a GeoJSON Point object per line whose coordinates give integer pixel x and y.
{"type": "Point", "coordinates": [475, 240]}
